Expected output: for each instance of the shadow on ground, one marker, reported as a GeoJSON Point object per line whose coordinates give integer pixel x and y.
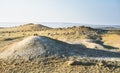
{"type": "Point", "coordinates": [94, 52]}
{"type": "Point", "coordinates": [105, 46]}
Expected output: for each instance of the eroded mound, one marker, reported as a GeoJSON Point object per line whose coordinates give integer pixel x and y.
{"type": "Point", "coordinates": [37, 46]}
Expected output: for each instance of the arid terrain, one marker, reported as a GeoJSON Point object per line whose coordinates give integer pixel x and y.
{"type": "Point", "coordinates": [34, 48]}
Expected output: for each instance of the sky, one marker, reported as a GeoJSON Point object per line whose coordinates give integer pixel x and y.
{"type": "Point", "coordinates": [102, 12]}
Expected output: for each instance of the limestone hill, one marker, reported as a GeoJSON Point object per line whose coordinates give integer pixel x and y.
{"type": "Point", "coordinates": [35, 46]}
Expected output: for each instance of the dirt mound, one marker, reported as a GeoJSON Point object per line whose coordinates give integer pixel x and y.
{"type": "Point", "coordinates": [32, 26]}
{"type": "Point", "coordinates": [37, 46]}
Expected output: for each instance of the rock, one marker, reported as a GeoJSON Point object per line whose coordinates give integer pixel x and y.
{"type": "Point", "coordinates": [73, 62]}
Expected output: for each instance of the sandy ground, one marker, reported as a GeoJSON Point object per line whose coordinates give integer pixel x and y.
{"type": "Point", "coordinates": [59, 65]}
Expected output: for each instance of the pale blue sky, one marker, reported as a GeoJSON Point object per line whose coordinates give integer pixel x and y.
{"type": "Point", "coordinates": [76, 11]}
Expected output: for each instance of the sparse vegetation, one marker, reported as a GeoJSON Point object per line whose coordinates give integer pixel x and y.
{"type": "Point", "coordinates": [90, 43]}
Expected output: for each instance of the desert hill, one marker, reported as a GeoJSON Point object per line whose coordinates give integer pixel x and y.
{"type": "Point", "coordinates": [70, 32]}
{"type": "Point", "coordinates": [75, 34]}
{"type": "Point", "coordinates": [35, 47]}
{"type": "Point", "coordinates": [25, 28]}
{"type": "Point", "coordinates": [32, 26]}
